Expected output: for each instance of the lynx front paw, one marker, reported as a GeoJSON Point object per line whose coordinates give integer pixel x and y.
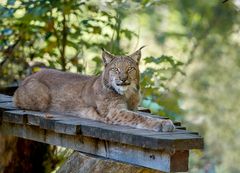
{"type": "Point", "coordinates": [167, 126]}
{"type": "Point", "coordinates": [164, 126]}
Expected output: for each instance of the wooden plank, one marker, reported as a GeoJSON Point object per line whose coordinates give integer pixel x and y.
{"type": "Point", "coordinates": [180, 127]}
{"type": "Point", "coordinates": [155, 159]}
{"type": "Point", "coordinates": [73, 127]}
{"type": "Point", "coordinates": [70, 127]}
{"type": "Point", "coordinates": [7, 106]}
{"type": "Point", "coordinates": [45, 120]}
{"type": "Point", "coordinates": [16, 116]}
{"type": "Point", "coordinates": [177, 123]}
{"type": "Point", "coordinates": [49, 123]}
{"type": "Point", "coordinates": [127, 135]}
{"type": "Point", "coordinates": [5, 98]}
{"type": "Point", "coordinates": [142, 109]}
{"type": "Point", "coordinates": [125, 129]}
{"type": "Point", "coordinates": [34, 118]}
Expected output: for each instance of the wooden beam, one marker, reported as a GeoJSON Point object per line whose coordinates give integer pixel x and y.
{"type": "Point", "coordinates": [166, 161]}
{"type": "Point", "coordinates": [5, 98]}
{"type": "Point", "coordinates": [178, 140]}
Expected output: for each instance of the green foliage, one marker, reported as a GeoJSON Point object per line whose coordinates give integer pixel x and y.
{"type": "Point", "coordinates": [56, 33]}
{"type": "Point", "coordinates": [154, 81]}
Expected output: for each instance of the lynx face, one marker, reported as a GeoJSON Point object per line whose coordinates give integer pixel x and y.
{"type": "Point", "coordinates": [122, 72]}
{"type": "Point", "coordinates": [123, 75]}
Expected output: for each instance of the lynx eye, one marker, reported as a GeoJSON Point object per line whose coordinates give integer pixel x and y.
{"type": "Point", "coordinates": [115, 69]}
{"type": "Point", "coordinates": [131, 68]}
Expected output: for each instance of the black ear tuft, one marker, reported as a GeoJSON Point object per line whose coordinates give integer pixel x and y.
{"type": "Point", "coordinates": [142, 47]}
{"type": "Point", "coordinates": [107, 57]}
{"type": "Point", "coordinates": [136, 56]}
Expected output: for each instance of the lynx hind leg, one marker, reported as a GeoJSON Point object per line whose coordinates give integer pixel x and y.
{"type": "Point", "coordinates": [32, 95]}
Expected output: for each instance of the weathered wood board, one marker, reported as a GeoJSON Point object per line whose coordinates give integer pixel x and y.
{"type": "Point", "coordinates": [180, 139]}
{"type": "Point", "coordinates": [5, 98]}
{"type": "Point", "coordinates": [164, 151]}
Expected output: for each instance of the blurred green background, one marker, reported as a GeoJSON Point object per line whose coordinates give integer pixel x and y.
{"type": "Point", "coordinates": [190, 67]}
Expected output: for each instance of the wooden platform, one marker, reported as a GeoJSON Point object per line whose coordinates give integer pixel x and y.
{"type": "Point", "coordinates": [164, 151]}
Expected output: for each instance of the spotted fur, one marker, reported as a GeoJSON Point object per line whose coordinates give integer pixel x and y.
{"type": "Point", "coordinates": [112, 97]}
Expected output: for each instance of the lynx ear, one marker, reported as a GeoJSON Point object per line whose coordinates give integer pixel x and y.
{"type": "Point", "coordinates": [136, 56]}
{"type": "Point", "coordinates": [107, 57]}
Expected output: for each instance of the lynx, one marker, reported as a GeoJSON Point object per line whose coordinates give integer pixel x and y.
{"type": "Point", "coordinates": [111, 97]}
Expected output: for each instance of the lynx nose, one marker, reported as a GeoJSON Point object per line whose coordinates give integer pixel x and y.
{"type": "Point", "coordinates": [123, 77]}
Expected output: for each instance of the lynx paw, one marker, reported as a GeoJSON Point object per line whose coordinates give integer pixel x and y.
{"type": "Point", "coordinates": [167, 126]}
{"type": "Point", "coordinates": [164, 126]}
